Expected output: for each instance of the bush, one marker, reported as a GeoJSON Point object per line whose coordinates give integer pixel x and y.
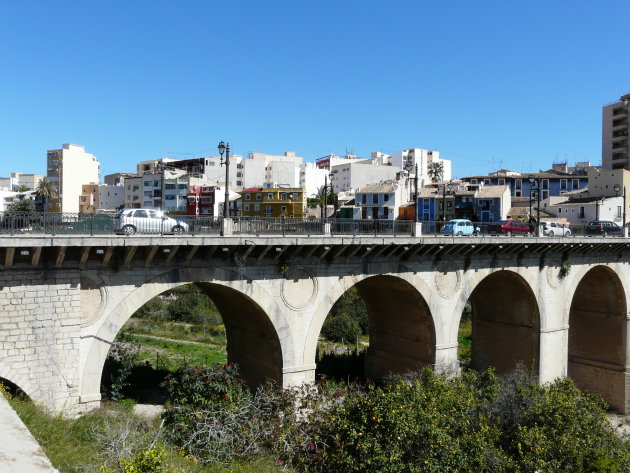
{"type": "Point", "coordinates": [341, 328]}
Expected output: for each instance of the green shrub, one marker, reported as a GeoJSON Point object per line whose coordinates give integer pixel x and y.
{"type": "Point", "coordinates": [341, 328]}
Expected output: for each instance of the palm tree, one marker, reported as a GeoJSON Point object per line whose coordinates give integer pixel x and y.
{"type": "Point", "coordinates": [23, 188]}
{"type": "Point", "coordinates": [436, 171]}
{"type": "Point", "coordinates": [45, 190]}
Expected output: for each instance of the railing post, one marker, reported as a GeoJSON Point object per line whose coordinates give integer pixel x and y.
{"type": "Point", "coordinates": [228, 228]}
{"type": "Point", "coordinates": [417, 229]}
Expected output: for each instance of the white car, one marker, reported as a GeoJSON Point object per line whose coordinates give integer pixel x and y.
{"type": "Point", "coordinates": [131, 221]}
{"type": "Point", "coordinates": [555, 229]}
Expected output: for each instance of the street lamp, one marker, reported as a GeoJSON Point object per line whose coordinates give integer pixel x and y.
{"type": "Point", "coordinates": [225, 148]}
{"type": "Point", "coordinates": [536, 180]}
{"type": "Point", "coordinates": [449, 185]}
{"type": "Point", "coordinates": [600, 198]}
{"type": "Point", "coordinates": [408, 168]}
{"type": "Point", "coordinates": [617, 189]}
{"type": "Point", "coordinates": [332, 193]}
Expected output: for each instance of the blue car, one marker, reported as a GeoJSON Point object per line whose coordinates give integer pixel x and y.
{"type": "Point", "coordinates": [460, 226]}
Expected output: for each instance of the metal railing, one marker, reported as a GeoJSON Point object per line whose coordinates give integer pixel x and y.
{"type": "Point", "coordinates": [38, 223]}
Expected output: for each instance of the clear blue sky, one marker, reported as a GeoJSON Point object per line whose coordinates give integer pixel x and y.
{"type": "Point", "coordinates": [487, 83]}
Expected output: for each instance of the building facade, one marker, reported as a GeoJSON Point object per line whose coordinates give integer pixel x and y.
{"type": "Point", "coordinates": [380, 202]}
{"type": "Point", "coordinates": [273, 202]}
{"type": "Point", "coordinates": [615, 134]}
{"type": "Point", "coordinates": [69, 168]}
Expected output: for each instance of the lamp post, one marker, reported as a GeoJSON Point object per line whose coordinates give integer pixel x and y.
{"type": "Point", "coordinates": [323, 203]}
{"type": "Point", "coordinates": [332, 193]}
{"type": "Point", "coordinates": [601, 199]}
{"type": "Point", "coordinates": [536, 180]}
{"type": "Point", "coordinates": [225, 148]}
{"type": "Point", "coordinates": [450, 186]}
{"type": "Point", "coordinates": [617, 189]}
{"type": "Point", "coordinates": [408, 168]}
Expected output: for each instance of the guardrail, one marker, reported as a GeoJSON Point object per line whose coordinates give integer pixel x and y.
{"type": "Point", "coordinates": [46, 223]}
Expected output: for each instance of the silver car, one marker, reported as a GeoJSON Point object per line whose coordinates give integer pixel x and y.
{"type": "Point", "coordinates": [131, 221]}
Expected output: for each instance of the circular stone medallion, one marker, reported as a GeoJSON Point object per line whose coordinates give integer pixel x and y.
{"type": "Point", "coordinates": [553, 274]}
{"type": "Point", "coordinates": [92, 299]}
{"type": "Point", "coordinates": [447, 279]}
{"type": "Point", "coordinates": [298, 289]}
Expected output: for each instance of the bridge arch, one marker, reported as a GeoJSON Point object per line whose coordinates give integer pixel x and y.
{"type": "Point", "coordinates": [32, 391]}
{"type": "Point", "coordinates": [258, 335]}
{"type": "Point", "coordinates": [505, 323]}
{"type": "Point", "coordinates": [598, 333]}
{"type": "Point", "coordinates": [401, 325]}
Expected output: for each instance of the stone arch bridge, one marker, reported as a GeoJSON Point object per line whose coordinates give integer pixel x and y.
{"type": "Point", "coordinates": [557, 305]}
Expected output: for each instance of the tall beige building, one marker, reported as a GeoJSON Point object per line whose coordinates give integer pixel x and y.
{"type": "Point", "coordinates": [615, 134]}
{"type": "Point", "coordinates": [69, 168]}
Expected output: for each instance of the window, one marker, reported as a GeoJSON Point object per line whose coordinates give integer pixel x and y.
{"type": "Point", "coordinates": [256, 207]}
{"type": "Point", "coordinates": [147, 183]}
{"type": "Point", "coordinates": [425, 204]}
{"type": "Point", "coordinates": [364, 198]}
{"type": "Point", "coordinates": [182, 186]}
{"type": "Point", "coordinates": [575, 184]}
{"type": "Point", "coordinates": [248, 197]}
{"type": "Point", "coordinates": [267, 209]}
{"type": "Point", "coordinates": [486, 182]}
{"type": "Point", "coordinates": [169, 196]}
{"type": "Point", "coordinates": [206, 200]}
{"type": "Point", "coordinates": [563, 183]}
{"type": "Point", "coordinates": [270, 195]}
{"type": "Point", "coordinates": [283, 196]}
{"type": "Point", "coordinates": [518, 184]}
{"type": "Point", "coordinates": [473, 181]}
{"type": "Point", "coordinates": [581, 214]}
{"type": "Point", "coordinates": [517, 193]}
{"type": "Point", "coordinates": [501, 182]}
{"type": "Point", "coordinates": [545, 194]}
{"type": "Point", "coordinates": [619, 211]}
{"type": "Point", "coordinates": [545, 183]}
{"type": "Point", "coordinates": [140, 214]}
{"type": "Point", "coordinates": [169, 186]}
{"type": "Point", "coordinates": [375, 198]}
{"type": "Point", "coordinates": [156, 183]}
{"type": "Point", "coordinates": [283, 208]}
{"type": "Point", "coordinates": [246, 207]}
{"type": "Point", "coordinates": [258, 196]}
{"type": "Point", "coordinates": [296, 196]}
{"type": "Point", "coordinates": [386, 197]}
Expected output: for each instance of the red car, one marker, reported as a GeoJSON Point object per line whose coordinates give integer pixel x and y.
{"type": "Point", "coordinates": [514, 227]}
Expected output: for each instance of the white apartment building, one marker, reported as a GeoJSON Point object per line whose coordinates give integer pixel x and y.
{"type": "Point", "coordinates": [68, 169]}
{"type": "Point", "coordinates": [356, 174]}
{"type": "Point", "coordinates": [379, 201]}
{"type": "Point", "coordinates": [312, 178]}
{"type": "Point", "coordinates": [408, 158]}
{"type": "Point", "coordinates": [615, 134]}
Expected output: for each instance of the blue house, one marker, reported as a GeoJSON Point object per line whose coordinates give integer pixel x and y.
{"type": "Point", "coordinates": [553, 182]}
{"type": "Point", "coordinates": [480, 203]}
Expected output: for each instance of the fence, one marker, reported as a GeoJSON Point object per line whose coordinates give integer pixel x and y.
{"type": "Point", "coordinates": [33, 223]}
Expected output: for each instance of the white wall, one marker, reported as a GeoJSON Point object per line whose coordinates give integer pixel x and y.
{"type": "Point", "coordinates": [312, 178]}
{"type": "Point", "coordinates": [110, 197]}
{"type": "Point", "coordinates": [355, 175]}
{"type": "Point", "coordinates": [77, 168]}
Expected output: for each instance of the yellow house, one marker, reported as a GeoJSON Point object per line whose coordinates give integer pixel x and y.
{"type": "Point", "coordinates": [273, 202]}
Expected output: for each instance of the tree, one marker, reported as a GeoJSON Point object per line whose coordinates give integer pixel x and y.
{"type": "Point", "coordinates": [436, 171]}
{"type": "Point", "coordinates": [23, 188]}
{"type": "Point", "coordinates": [22, 205]}
{"type": "Point", "coordinates": [45, 190]}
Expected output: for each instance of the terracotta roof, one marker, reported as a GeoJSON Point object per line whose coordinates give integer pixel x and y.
{"type": "Point", "coordinates": [376, 189]}
{"type": "Point", "coordinates": [485, 192]}
{"type": "Point", "coordinates": [252, 189]}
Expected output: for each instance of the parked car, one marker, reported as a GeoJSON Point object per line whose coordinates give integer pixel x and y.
{"type": "Point", "coordinates": [603, 228]}
{"type": "Point", "coordinates": [516, 227]}
{"type": "Point", "coordinates": [460, 226]}
{"type": "Point", "coordinates": [131, 221]}
{"type": "Point", "coordinates": [555, 229]}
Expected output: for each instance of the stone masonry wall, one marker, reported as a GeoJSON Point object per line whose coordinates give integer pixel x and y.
{"type": "Point", "coordinates": [40, 334]}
